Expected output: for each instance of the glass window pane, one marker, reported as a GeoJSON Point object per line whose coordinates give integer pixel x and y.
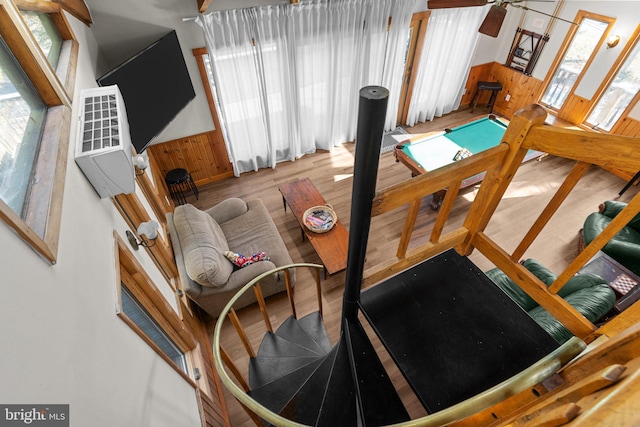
{"type": "Point", "coordinates": [22, 114]}
{"type": "Point", "coordinates": [619, 94]}
{"type": "Point", "coordinates": [132, 308]}
{"type": "Point", "coordinates": [46, 34]}
{"type": "Point", "coordinates": [580, 50]}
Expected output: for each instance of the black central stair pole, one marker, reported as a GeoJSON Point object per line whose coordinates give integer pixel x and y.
{"type": "Point", "coordinates": [371, 117]}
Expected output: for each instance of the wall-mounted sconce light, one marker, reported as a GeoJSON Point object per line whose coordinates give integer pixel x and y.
{"type": "Point", "coordinates": [613, 41]}
{"type": "Point", "coordinates": [149, 229]}
{"type": "Point", "coordinates": [141, 162]}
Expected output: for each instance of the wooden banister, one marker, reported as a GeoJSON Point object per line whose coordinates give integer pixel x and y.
{"type": "Point", "coordinates": [263, 306]}
{"type": "Point", "coordinates": [233, 316]}
{"type": "Point", "coordinates": [292, 303]}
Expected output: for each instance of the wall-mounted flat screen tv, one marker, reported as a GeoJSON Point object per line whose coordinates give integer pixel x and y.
{"type": "Point", "coordinates": [155, 85]}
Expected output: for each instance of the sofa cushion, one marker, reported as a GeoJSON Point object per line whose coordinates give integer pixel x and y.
{"type": "Point", "coordinates": [203, 246]}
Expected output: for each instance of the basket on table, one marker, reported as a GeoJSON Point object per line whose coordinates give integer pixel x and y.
{"type": "Point", "coordinates": [319, 219]}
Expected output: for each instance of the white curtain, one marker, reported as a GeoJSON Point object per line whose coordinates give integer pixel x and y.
{"type": "Point", "coordinates": [289, 76]}
{"type": "Point", "coordinates": [445, 62]}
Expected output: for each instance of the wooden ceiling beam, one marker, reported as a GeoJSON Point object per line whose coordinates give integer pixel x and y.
{"type": "Point", "coordinates": [77, 8]}
{"type": "Point", "coordinates": [203, 5]}
{"type": "Point", "coordinates": [41, 6]}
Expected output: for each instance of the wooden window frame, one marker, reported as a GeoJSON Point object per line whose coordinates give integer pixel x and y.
{"type": "Point", "coordinates": [198, 53]}
{"type": "Point", "coordinates": [130, 272]}
{"type": "Point", "coordinates": [134, 213]}
{"type": "Point", "coordinates": [634, 40]}
{"type": "Point", "coordinates": [39, 226]}
{"type": "Point", "coordinates": [580, 16]}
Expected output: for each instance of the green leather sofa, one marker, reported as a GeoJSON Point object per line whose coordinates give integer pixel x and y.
{"type": "Point", "coordinates": [625, 246]}
{"type": "Point", "coordinates": [588, 293]}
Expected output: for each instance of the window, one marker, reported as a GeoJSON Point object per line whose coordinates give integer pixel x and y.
{"type": "Point", "coordinates": [144, 309]}
{"type": "Point", "coordinates": [37, 72]}
{"type": "Point", "coordinates": [138, 315]}
{"type": "Point", "coordinates": [22, 116]}
{"type": "Point", "coordinates": [575, 59]}
{"type": "Point", "coordinates": [619, 94]}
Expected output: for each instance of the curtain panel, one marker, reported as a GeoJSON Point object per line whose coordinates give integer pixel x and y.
{"type": "Point", "coordinates": [288, 76]}
{"type": "Point", "coordinates": [445, 62]}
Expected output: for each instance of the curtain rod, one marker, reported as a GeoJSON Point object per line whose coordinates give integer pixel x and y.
{"type": "Point", "coordinates": [193, 18]}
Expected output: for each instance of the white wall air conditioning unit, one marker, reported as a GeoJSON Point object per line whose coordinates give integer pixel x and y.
{"type": "Point", "coordinates": [103, 149]}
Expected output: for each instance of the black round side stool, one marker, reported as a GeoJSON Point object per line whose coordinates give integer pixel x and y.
{"type": "Point", "coordinates": [179, 180]}
{"type": "Point", "coordinates": [494, 87]}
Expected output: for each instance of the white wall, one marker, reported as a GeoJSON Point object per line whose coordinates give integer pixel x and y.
{"type": "Point", "coordinates": [61, 339]}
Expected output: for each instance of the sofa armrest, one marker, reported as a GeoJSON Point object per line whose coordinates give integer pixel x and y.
{"type": "Point", "coordinates": [190, 287]}
{"type": "Point", "coordinates": [227, 210]}
{"type": "Point", "coordinates": [244, 275]}
{"type": "Point", "coordinates": [611, 208]}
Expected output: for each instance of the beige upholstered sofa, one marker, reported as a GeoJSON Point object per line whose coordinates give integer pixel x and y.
{"type": "Point", "coordinates": [201, 238]}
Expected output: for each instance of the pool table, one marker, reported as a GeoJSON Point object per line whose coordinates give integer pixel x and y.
{"type": "Point", "coordinates": [432, 151]}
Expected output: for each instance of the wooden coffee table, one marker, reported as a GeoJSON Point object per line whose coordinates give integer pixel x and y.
{"type": "Point", "coordinates": [331, 246]}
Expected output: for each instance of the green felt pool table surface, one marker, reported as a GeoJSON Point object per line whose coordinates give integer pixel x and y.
{"type": "Point", "coordinates": [433, 151]}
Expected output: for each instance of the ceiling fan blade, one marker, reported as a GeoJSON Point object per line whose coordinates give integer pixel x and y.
{"type": "Point", "coordinates": [442, 4]}
{"type": "Point", "coordinates": [493, 21]}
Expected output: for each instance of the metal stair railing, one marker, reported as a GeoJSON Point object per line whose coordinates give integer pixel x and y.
{"type": "Point", "coordinates": [516, 384]}
{"type": "Point", "coordinates": [222, 358]}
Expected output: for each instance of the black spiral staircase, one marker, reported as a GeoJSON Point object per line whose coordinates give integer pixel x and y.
{"type": "Point", "coordinates": [448, 346]}
{"type": "Point", "coordinates": [457, 339]}
{"type": "Point", "coordinates": [299, 375]}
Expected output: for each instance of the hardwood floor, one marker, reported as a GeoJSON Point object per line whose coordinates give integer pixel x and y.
{"type": "Point", "coordinates": [331, 173]}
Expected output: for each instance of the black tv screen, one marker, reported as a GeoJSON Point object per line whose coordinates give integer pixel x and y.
{"type": "Point", "coordinates": [155, 85]}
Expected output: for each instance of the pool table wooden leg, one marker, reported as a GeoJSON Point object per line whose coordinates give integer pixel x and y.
{"type": "Point", "coordinates": [436, 199]}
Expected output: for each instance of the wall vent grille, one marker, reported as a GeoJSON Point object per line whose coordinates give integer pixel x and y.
{"type": "Point", "coordinates": [100, 123]}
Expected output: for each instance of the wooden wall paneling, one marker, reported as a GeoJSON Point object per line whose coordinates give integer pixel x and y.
{"type": "Point", "coordinates": [477, 73]}
{"type": "Point", "coordinates": [627, 126]}
{"type": "Point", "coordinates": [524, 90]}
{"type": "Point", "coordinates": [220, 156]}
{"type": "Point", "coordinates": [203, 155]}
{"type": "Point", "coordinates": [574, 109]}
